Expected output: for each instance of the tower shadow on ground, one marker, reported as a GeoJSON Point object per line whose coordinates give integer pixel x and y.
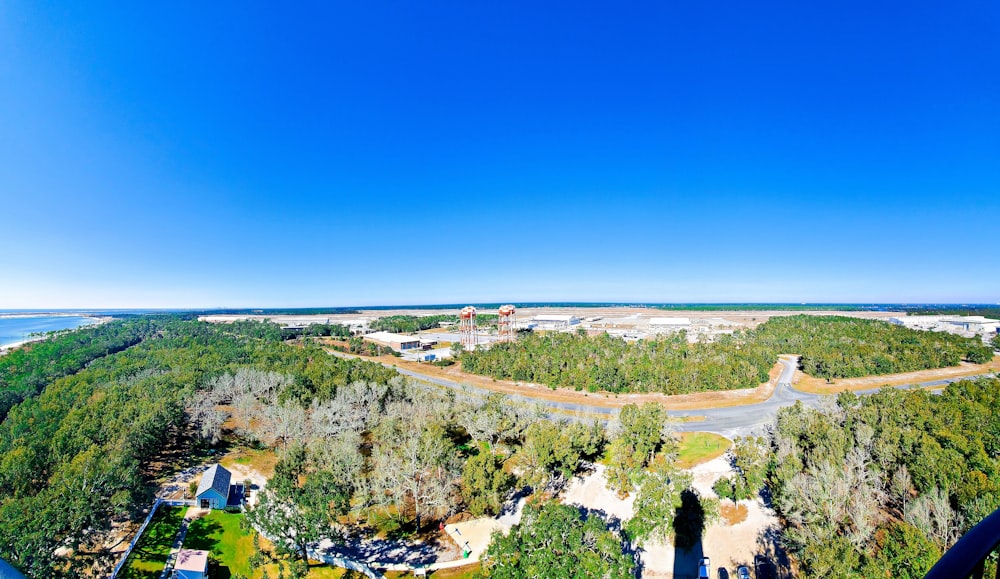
{"type": "Point", "coordinates": [689, 530]}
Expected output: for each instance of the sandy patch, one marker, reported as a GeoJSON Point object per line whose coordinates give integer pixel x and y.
{"type": "Point", "coordinates": [728, 546]}
{"type": "Point", "coordinates": [592, 493]}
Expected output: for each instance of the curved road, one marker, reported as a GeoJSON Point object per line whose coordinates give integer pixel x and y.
{"type": "Point", "coordinates": [730, 421]}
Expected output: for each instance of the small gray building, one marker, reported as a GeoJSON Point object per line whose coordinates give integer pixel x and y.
{"type": "Point", "coordinates": [213, 491]}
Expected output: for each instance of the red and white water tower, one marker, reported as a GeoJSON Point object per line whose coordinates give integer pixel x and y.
{"type": "Point", "coordinates": [506, 329]}
{"type": "Point", "coordinates": [467, 327]}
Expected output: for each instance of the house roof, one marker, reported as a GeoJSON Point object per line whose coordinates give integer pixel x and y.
{"type": "Point", "coordinates": [191, 560]}
{"type": "Point", "coordinates": [8, 572]}
{"type": "Point", "coordinates": [216, 477]}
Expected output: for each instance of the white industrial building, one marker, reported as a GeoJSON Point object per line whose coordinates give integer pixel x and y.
{"type": "Point", "coordinates": [667, 325]}
{"type": "Point", "coordinates": [963, 325]}
{"type": "Point", "coordinates": [554, 321]}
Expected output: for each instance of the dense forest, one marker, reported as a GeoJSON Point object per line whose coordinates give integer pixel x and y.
{"type": "Point", "coordinates": [73, 458]}
{"type": "Point", "coordinates": [880, 486]}
{"type": "Point", "coordinates": [864, 484]}
{"type": "Point", "coordinates": [80, 453]}
{"type": "Point", "coordinates": [25, 371]}
{"type": "Point", "coordinates": [830, 346]}
{"type": "Point", "coordinates": [410, 324]}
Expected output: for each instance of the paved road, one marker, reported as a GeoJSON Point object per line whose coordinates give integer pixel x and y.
{"type": "Point", "coordinates": [730, 422]}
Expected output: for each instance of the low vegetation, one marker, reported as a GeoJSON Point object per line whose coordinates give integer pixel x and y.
{"type": "Point", "coordinates": [830, 346]}
{"type": "Point", "coordinates": [410, 324]}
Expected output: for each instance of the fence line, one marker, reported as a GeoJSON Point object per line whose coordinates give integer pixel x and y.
{"type": "Point", "coordinates": [135, 539]}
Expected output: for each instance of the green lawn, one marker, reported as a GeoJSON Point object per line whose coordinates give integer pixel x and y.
{"type": "Point", "coordinates": [150, 554]}
{"type": "Point", "coordinates": [219, 533]}
{"type": "Point", "coordinates": [231, 547]}
{"type": "Point", "coordinates": [699, 447]}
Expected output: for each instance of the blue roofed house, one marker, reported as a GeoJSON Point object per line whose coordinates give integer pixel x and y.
{"type": "Point", "coordinates": [213, 491]}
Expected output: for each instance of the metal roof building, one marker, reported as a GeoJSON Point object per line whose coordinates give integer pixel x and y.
{"type": "Point", "coordinates": [213, 490]}
{"type": "Point", "coordinates": [397, 342]}
{"type": "Point", "coordinates": [9, 572]}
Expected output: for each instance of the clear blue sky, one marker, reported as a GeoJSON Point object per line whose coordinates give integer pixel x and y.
{"type": "Point", "coordinates": [238, 154]}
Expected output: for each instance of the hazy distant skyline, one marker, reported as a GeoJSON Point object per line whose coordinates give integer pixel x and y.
{"type": "Point", "coordinates": [351, 154]}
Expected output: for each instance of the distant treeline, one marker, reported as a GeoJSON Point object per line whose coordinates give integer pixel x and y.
{"type": "Point", "coordinates": [410, 324]}
{"type": "Point", "coordinates": [830, 346]}
{"type": "Point", "coordinates": [770, 307]}
{"type": "Point", "coordinates": [279, 311]}
{"type": "Point", "coordinates": [985, 311]}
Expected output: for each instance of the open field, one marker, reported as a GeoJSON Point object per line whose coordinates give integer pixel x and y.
{"type": "Point", "coordinates": [624, 316]}
{"type": "Point", "coordinates": [700, 447]}
{"type": "Point", "coordinates": [811, 384]}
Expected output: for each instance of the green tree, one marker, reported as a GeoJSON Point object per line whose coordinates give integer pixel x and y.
{"type": "Point", "coordinates": [901, 551]}
{"type": "Point", "coordinates": [485, 483]}
{"type": "Point", "coordinates": [643, 434]}
{"type": "Point", "coordinates": [295, 513]}
{"type": "Point", "coordinates": [554, 542]}
{"type": "Point", "coordinates": [657, 502]}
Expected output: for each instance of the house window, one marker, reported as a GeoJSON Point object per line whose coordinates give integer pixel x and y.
{"type": "Point", "coordinates": [204, 503]}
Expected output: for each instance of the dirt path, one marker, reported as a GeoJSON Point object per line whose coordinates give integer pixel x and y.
{"type": "Point", "coordinates": [813, 385]}
{"type": "Point", "coordinates": [696, 401]}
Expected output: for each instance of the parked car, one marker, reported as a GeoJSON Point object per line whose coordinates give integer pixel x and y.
{"type": "Point", "coordinates": [705, 568]}
{"type": "Point", "coordinates": [742, 572]}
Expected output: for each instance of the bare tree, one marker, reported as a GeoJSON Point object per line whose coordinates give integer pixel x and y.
{"type": "Point", "coordinates": [419, 467]}
{"type": "Point", "coordinates": [932, 514]}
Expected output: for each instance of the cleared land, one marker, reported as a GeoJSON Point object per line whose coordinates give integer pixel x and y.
{"type": "Point", "coordinates": [813, 385]}
{"type": "Point", "coordinates": [700, 447]}
{"type": "Point", "coordinates": [621, 316]}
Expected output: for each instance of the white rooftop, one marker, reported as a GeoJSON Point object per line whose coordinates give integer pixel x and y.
{"type": "Point", "coordinates": [554, 318]}
{"type": "Point", "coordinates": [670, 321]}
{"type": "Point", "coordinates": [192, 560]}
{"type": "Point", "coordinates": [390, 337]}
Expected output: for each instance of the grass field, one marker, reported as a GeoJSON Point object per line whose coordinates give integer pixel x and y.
{"type": "Point", "coordinates": [700, 447]}
{"type": "Point", "coordinates": [231, 547]}
{"type": "Point", "coordinates": [150, 554]}
{"type": "Point", "coordinates": [463, 572]}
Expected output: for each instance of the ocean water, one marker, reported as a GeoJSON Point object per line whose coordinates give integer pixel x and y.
{"type": "Point", "coordinates": [14, 330]}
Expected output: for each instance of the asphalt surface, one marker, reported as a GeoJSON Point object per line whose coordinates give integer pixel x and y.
{"type": "Point", "coordinates": [730, 422]}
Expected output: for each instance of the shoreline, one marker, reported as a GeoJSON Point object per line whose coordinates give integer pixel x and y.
{"type": "Point", "coordinates": [22, 315]}
{"type": "Point", "coordinates": [96, 321]}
